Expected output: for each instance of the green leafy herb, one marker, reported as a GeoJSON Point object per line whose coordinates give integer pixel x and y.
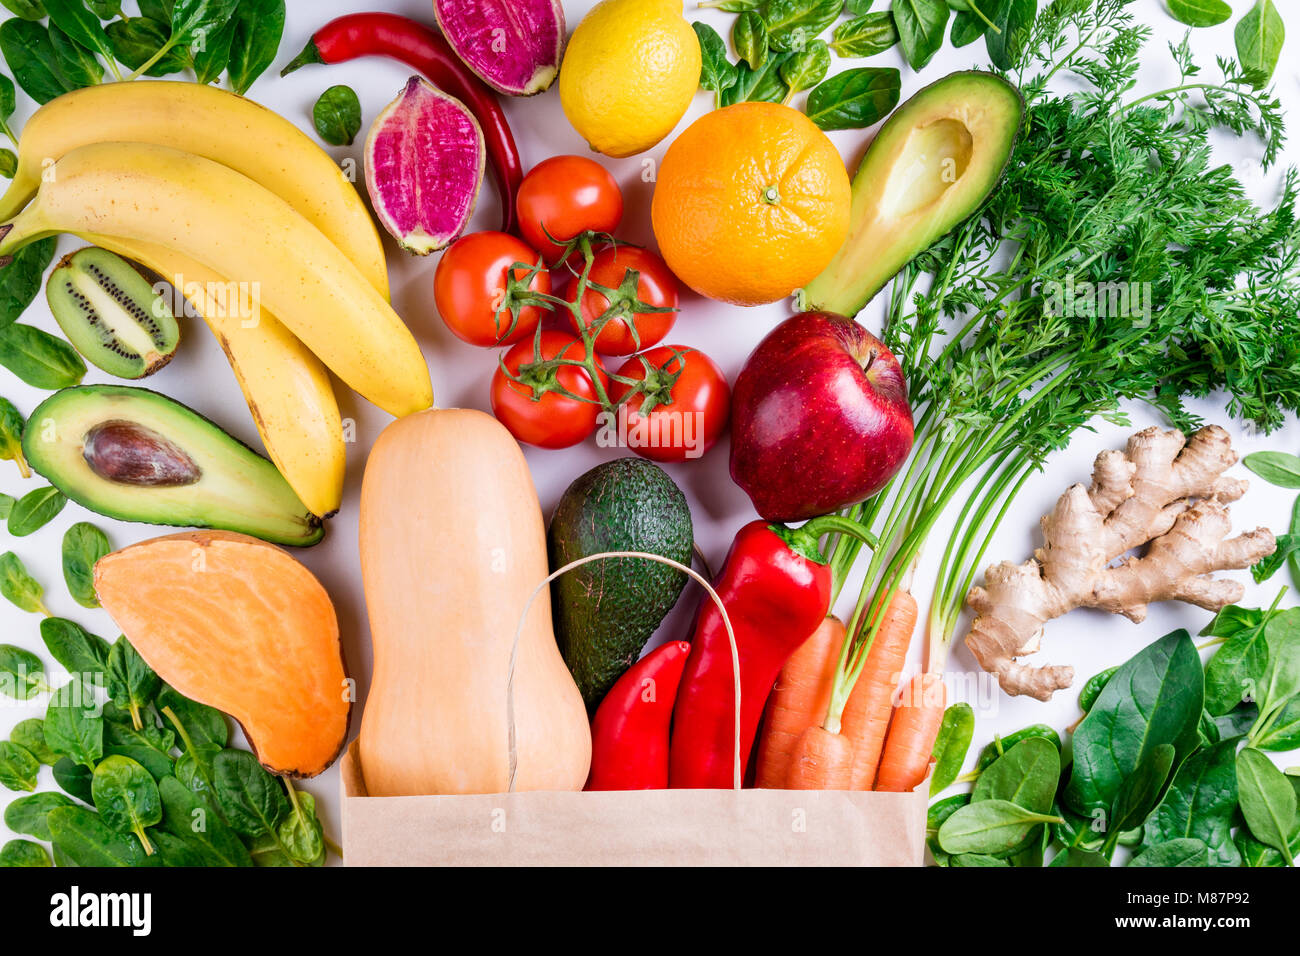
{"type": "Point", "coordinates": [80, 66]}
{"type": "Point", "coordinates": [149, 745]}
{"type": "Point", "coordinates": [18, 587]}
{"type": "Point", "coordinates": [1281, 732]}
{"type": "Point", "coordinates": [1000, 745]}
{"type": "Point", "coordinates": [132, 683]}
{"type": "Point", "coordinates": [990, 826]}
{"type": "Point", "coordinates": [337, 115]}
{"type": "Point", "coordinates": [12, 426]}
{"type": "Point", "coordinates": [135, 41]}
{"type": "Point", "coordinates": [1013, 21]}
{"type": "Point", "coordinates": [1184, 851]}
{"type": "Point", "coordinates": [253, 801]}
{"type": "Point", "coordinates": [866, 35]}
{"type": "Point", "coordinates": [921, 25]}
{"type": "Point", "coordinates": [717, 72]}
{"type": "Point", "coordinates": [301, 833]}
{"type": "Point", "coordinates": [749, 37]}
{"type": "Point", "coordinates": [89, 841]}
{"type": "Point", "coordinates": [854, 98]}
{"type": "Point", "coordinates": [18, 768]}
{"type": "Point", "coordinates": [8, 162]}
{"type": "Point", "coordinates": [82, 27]}
{"type": "Point", "coordinates": [950, 746]}
{"type": "Point", "coordinates": [126, 797]}
{"type": "Point", "coordinates": [105, 9]}
{"type": "Point", "coordinates": [259, 26]}
{"type": "Point", "coordinates": [1092, 688]}
{"type": "Point", "coordinates": [1235, 671]}
{"type": "Point", "coordinates": [7, 503]}
{"type": "Point", "coordinates": [82, 654]}
{"type": "Point", "coordinates": [20, 281]}
{"type": "Point", "coordinates": [8, 102]}
{"type": "Point", "coordinates": [83, 545]}
{"type": "Point", "coordinates": [1288, 546]}
{"type": "Point", "coordinates": [762, 85]}
{"type": "Point", "coordinates": [935, 817]}
{"type": "Point", "coordinates": [74, 726]}
{"type": "Point", "coordinates": [805, 68]}
{"type": "Point", "coordinates": [793, 24]}
{"type": "Point", "coordinates": [26, 815]}
{"type": "Point", "coordinates": [30, 735]}
{"type": "Point", "coordinates": [28, 51]}
{"type": "Point", "coordinates": [204, 726]}
{"type": "Point", "coordinates": [1259, 36]}
{"type": "Point", "coordinates": [1199, 13]}
{"type": "Point", "coordinates": [35, 510]}
{"type": "Point", "coordinates": [26, 9]}
{"type": "Point", "coordinates": [23, 853]}
{"type": "Point", "coordinates": [38, 358]}
{"type": "Point", "coordinates": [210, 51]}
{"type": "Point", "coordinates": [1268, 801]}
{"type": "Point", "coordinates": [1201, 803]}
{"type": "Point", "coordinates": [193, 818]}
{"type": "Point", "coordinates": [1276, 467]}
{"type": "Point", "coordinates": [73, 778]}
{"type": "Point", "coordinates": [22, 675]}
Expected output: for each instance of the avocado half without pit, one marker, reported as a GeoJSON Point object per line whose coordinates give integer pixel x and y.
{"type": "Point", "coordinates": [930, 167]}
{"type": "Point", "coordinates": [132, 454]}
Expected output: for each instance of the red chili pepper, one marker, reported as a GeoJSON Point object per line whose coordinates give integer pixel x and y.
{"type": "Point", "coordinates": [776, 587]}
{"type": "Point", "coordinates": [424, 49]}
{"type": "Point", "coordinates": [629, 734]}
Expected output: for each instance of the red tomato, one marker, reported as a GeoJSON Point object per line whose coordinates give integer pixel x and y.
{"type": "Point", "coordinates": [470, 284]}
{"type": "Point", "coordinates": [687, 414]}
{"type": "Point", "coordinates": [563, 196]}
{"type": "Point", "coordinates": [554, 420]}
{"type": "Point", "coordinates": [656, 286]}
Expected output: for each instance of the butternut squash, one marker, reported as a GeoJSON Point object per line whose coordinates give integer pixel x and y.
{"type": "Point", "coordinates": [452, 546]}
{"type": "Point", "coordinates": [239, 625]}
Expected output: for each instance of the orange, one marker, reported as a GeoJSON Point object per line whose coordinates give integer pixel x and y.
{"type": "Point", "coordinates": [751, 202]}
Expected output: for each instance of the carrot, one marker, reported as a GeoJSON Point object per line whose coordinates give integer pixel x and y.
{"type": "Point", "coordinates": [866, 714]}
{"type": "Point", "coordinates": [799, 701]}
{"type": "Point", "coordinates": [821, 760]}
{"type": "Point", "coordinates": [912, 733]}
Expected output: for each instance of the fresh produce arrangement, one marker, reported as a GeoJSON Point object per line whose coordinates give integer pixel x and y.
{"type": "Point", "coordinates": [1015, 251]}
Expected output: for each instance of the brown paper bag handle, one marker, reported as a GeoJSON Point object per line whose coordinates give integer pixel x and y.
{"type": "Point", "coordinates": [523, 619]}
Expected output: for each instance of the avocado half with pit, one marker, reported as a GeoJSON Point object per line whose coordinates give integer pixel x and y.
{"type": "Point", "coordinates": [132, 454]}
{"type": "Point", "coordinates": [931, 165]}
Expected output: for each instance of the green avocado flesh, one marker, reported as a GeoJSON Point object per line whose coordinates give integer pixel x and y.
{"type": "Point", "coordinates": [605, 611]}
{"type": "Point", "coordinates": [931, 165]}
{"type": "Point", "coordinates": [135, 455]}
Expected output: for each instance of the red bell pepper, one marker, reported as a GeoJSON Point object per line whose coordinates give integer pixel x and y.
{"type": "Point", "coordinates": [776, 587]}
{"type": "Point", "coordinates": [423, 48]}
{"type": "Point", "coordinates": [629, 734]}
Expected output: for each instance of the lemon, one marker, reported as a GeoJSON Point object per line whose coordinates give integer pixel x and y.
{"type": "Point", "coordinates": [629, 74]}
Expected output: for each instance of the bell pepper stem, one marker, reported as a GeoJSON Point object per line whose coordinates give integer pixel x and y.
{"type": "Point", "coordinates": [805, 540]}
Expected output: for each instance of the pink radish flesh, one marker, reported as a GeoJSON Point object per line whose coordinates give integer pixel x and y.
{"type": "Point", "coordinates": [424, 166]}
{"type": "Point", "coordinates": [513, 45]}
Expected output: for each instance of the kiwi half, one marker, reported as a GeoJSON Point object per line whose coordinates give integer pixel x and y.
{"type": "Point", "coordinates": [111, 313]}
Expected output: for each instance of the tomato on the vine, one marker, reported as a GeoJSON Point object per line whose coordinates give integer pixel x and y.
{"type": "Point", "coordinates": [683, 409]}
{"type": "Point", "coordinates": [555, 420]}
{"type": "Point", "coordinates": [470, 289]}
{"type": "Point", "coordinates": [563, 196]}
{"type": "Point", "coordinates": [656, 286]}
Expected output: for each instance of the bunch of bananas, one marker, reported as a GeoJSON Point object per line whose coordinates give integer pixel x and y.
{"type": "Point", "coordinates": [203, 186]}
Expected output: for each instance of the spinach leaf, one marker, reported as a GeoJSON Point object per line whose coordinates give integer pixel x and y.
{"type": "Point", "coordinates": [939, 812]}
{"type": "Point", "coordinates": [22, 675]}
{"type": "Point", "coordinates": [254, 802]}
{"type": "Point", "coordinates": [1184, 851]}
{"type": "Point", "coordinates": [1140, 792]}
{"type": "Point", "coordinates": [150, 746]}
{"type": "Point", "coordinates": [1199, 13]}
{"type": "Point", "coordinates": [74, 726]}
{"type": "Point", "coordinates": [1000, 745]}
{"type": "Point", "coordinates": [1288, 546]}
{"type": "Point", "coordinates": [792, 24]}
{"type": "Point", "coordinates": [6, 505]}
{"type": "Point", "coordinates": [73, 778]}
{"type": "Point", "coordinates": [26, 815]}
{"type": "Point", "coordinates": [132, 683]}
{"type": "Point", "coordinates": [35, 510]}
{"type": "Point", "coordinates": [966, 29]}
{"type": "Point", "coordinates": [1293, 560]}
{"type": "Point", "coordinates": [1201, 803]}
{"type": "Point", "coordinates": [259, 26]}
{"type": "Point", "coordinates": [866, 35]}
{"type": "Point", "coordinates": [79, 66]}
{"type": "Point", "coordinates": [1077, 856]}
{"type": "Point", "coordinates": [921, 25]}
{"type": "Point", "coordinates": [763, 85]}
{"type": "Point", "coordinates": [23, 853]}
{"type": "Point", "coordinates": [1254, 853]}
{"type": "Point", "coordinates": [1282, 730]}
{"type": "Point", "coordinates": [1282, 675]}
{"type": "Point", "coordinates": [82, 654]}
{"type": "Point", "coordinates": [83, 545]}
{"type": "Point", "coordinates": [950, 745]}
{"type": "Point", "coordinates": [1259, 36]}
{"type": "Point", "coordinates": [20, 281]}
{"type": "Point", "coordinates": [855, 98]}
{"type": "Point", "coordinates": [211, 52]}
{"type": "Point", "coordinates": [38, 358]}
{"type": "Point", "coordinates": [105, 9]}
{"type": "Point", "coordinates": [191, 817]}
{"type": "Point", "coordinates": [805, 68]}
{"type": "Point", "coordinates": [195, 21]}
{"type": "Point", "coordinates": [1236, 670]}
{"type": "Point", "coordinates": [749, 37]}
{"type": "Point", "coordinates": [1154, 698]}
{"type": "Point", "coordinates": [18, 768]}
{"type": "Point", "coordinates": [1276, 467]}
{"type": "Point", "coordinates": [1026, 775]}
{"type": "Point", "coordinates": [8, 102]}
{"type": "Point", "coordinates": [989, 826]}
{"type": "Point", "coordinates": [12, 426]}
{"type": "Point", "coordinates": [717, 72]}
{"type": "Point", "coordinates": [977, 859]}
{"type": "Point", "coordinates": [135, 41]}
{"type": "Point", "coordinates": [1236, 722]}
{"type": "Point", "coordinates": [301, 833]}
{"type": "Point", "coordinates": [27, 49]}
{"type": "Point", "coordinates": [160, 10]}
{"type": "Point", "coordinates": [18, 587]}
{"type": "Point", "coordinates": [81, 28]}
{"type": "Point", "coordinates": [1268, 801]}
{"type": "Point", "coordinates": [8, 160]}
{"type": "Point", "coordinates": [1013, 19]}
{"type": "Point", "coordinates": [30, 735]}
{"type": "Point", "coordinates": [26, 9]}
{"type": "Point", "coordinates": [337, 115]}
{"type": "Point", "coordinates": [88, 841]}
{"type": "Point", "coordinates": [198, 724]}
{"type": "Point", "coordinates": [1092, 689]}
{"type": "Point", "coordinates": [126, 797]}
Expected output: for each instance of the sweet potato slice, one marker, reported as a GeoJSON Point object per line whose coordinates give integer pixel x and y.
{"type": "Point", "coordinates": [239, 625]}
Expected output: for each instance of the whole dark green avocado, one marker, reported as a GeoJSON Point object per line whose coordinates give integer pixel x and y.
{"type": "Point", "coordinates": [605, 611]}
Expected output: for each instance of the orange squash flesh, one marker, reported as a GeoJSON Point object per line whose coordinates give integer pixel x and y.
{"type": "Point", "coordinates": [239, 625]}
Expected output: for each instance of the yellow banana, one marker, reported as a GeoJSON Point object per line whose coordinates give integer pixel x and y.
{"type": "Point", "coordinates": [287, 388]}
{"type": "Point", "coordinates": [227, 222]}
{"type": "Point", "coordinates": [213, 123]}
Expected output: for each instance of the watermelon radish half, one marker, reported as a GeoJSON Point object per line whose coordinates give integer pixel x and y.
{"type": "Point", "coordinates": [424, 165]}
{"type": "Point", "coordinates": [513, 45]}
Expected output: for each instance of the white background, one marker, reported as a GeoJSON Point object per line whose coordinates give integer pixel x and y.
{"type": "Point", "coordinates": [200, 377]}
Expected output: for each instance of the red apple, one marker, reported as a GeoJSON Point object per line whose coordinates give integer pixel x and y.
{"type": "Point", "coordinates": [819, 418]}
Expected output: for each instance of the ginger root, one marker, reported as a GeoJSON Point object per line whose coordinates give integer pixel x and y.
{"type": "Point", "coordinates": [1163, 492]}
